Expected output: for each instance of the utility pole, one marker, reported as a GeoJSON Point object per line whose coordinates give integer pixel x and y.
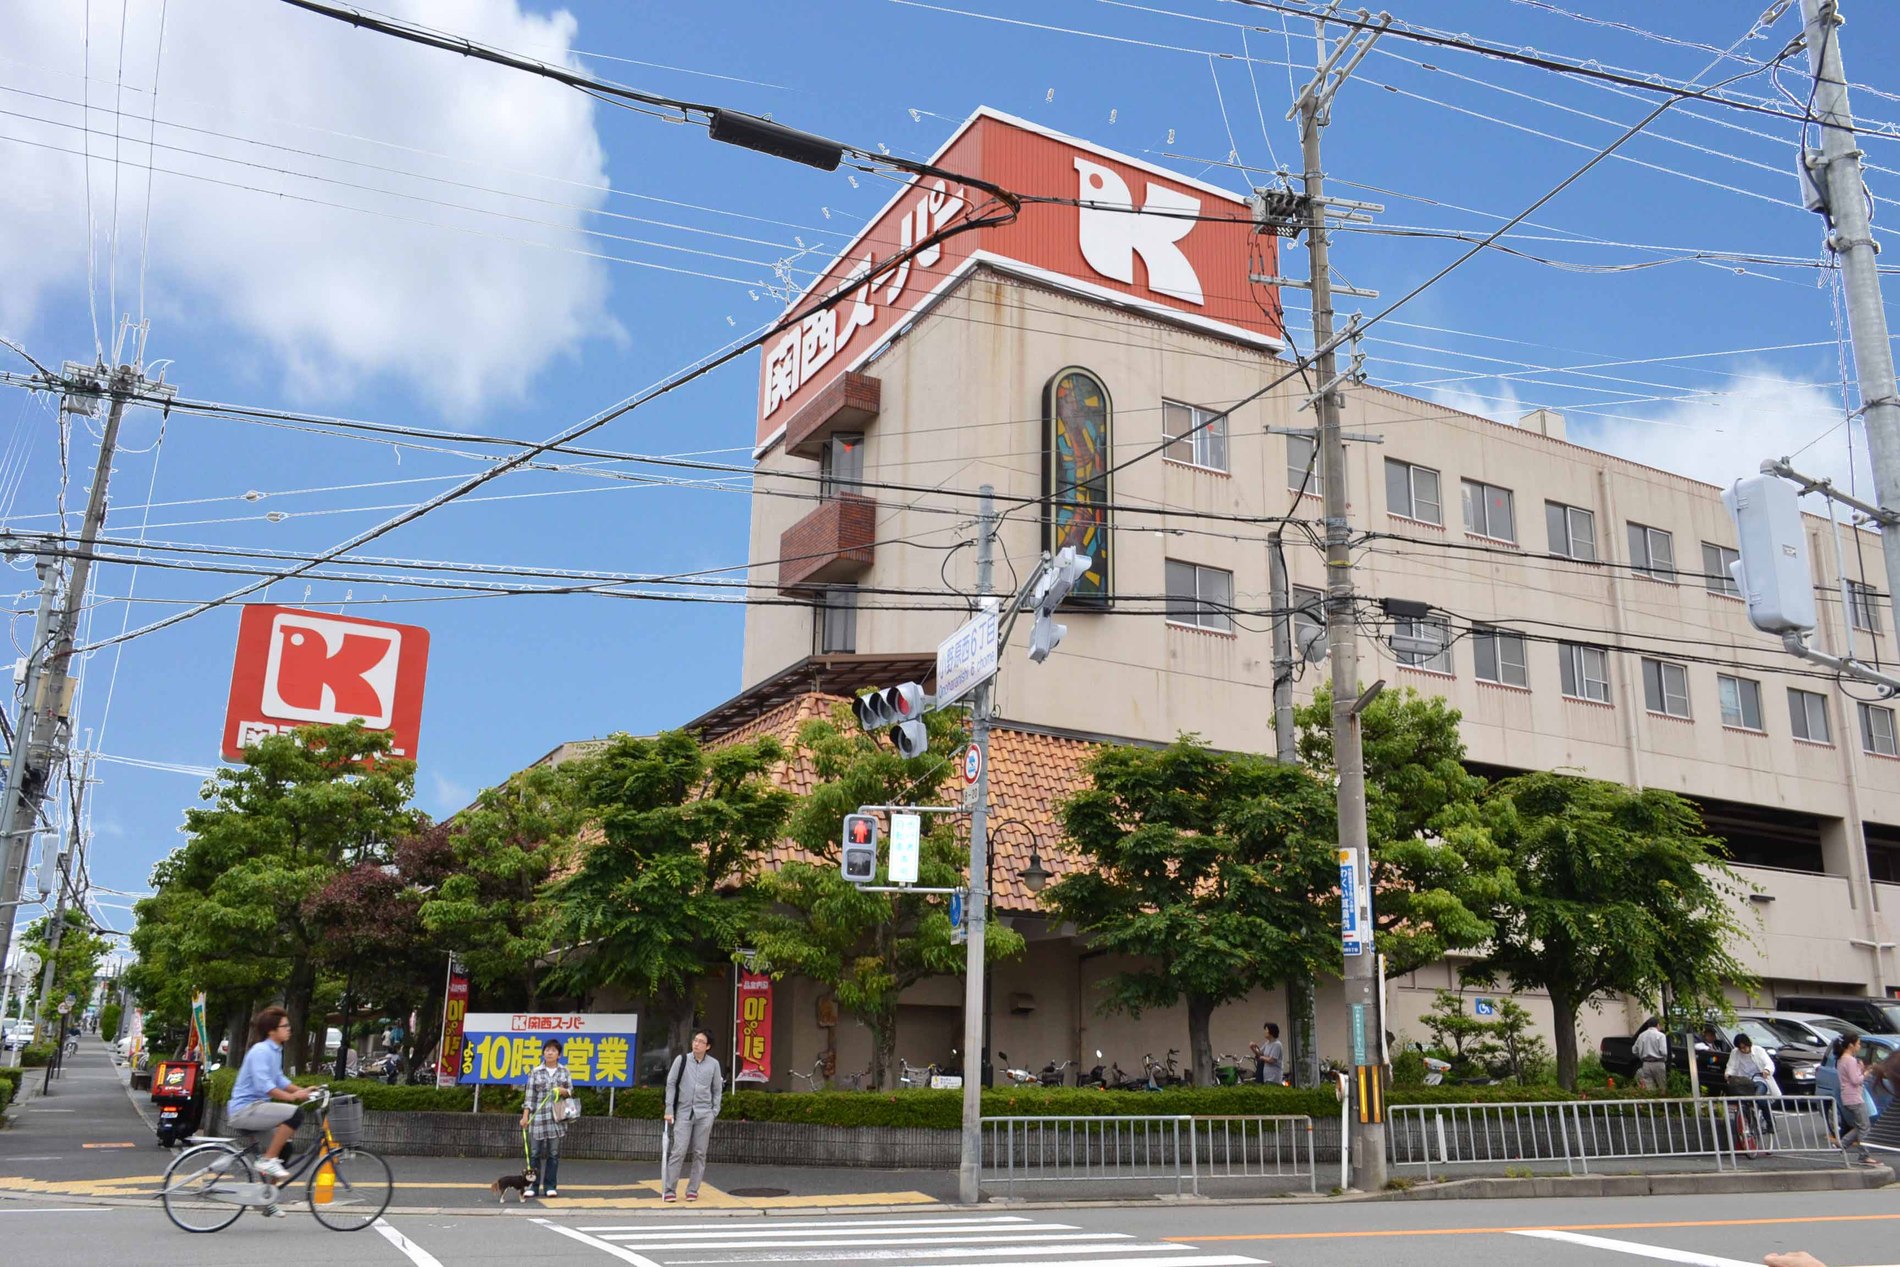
{"type": "Point", "coordinates": [1367, 1129]}
{"type": "Point", "coordinates": [16, 845]}
{"type": "Point", "coordinates": [970, 1159]}
{"type": "Point", "coordinates": [1301, 1039]}
{"type": "Point", "coordinates": [1837, 173]}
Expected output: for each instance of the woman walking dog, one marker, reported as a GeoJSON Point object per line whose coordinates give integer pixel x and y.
{"type": "Point", "coordinates": [543, 1117]}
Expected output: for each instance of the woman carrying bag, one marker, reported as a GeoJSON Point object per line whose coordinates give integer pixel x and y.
{"type": "Point", "coordinates": [545, 1112]}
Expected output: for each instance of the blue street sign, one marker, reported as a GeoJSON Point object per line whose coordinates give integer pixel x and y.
{"type": "Point", "coordinates": [1485, 1007]}
{"type": "Point", "coordinates": [956, 910]}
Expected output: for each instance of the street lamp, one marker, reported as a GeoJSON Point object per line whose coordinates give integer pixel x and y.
{"type": "Point", "coordinates": [1034, 876]}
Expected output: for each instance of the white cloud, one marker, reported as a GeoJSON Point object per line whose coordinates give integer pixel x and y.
{"type": "Point", "coordinates": [1498, 401]}
{"type": "Point", "coordinates": [389, 290]}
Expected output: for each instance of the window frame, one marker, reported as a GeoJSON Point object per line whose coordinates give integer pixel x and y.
{"type": "Point", "coordinates": [1741, 702]}
{"type": "Point", "coordinates": [837, 611]}
{"type": "Point", "coordinates": [1570, 663]}
{"type": "Point", "coordinates": [1802, 721]}
{"type": "Point", "coordinates": [1647, 565]}
{"type": "Point", "coordinates": [1205, 619]}
{"type": "Point", "coordinates": [1410, 472]}
{"type": "Point", "coordinates": [1496, 639]}
{"type": "Point", "coordinates": [1570, 531]}
{"type": "Point", "coordinates": [1205, 443]}
{"type": "Point", "coordinates": [1862, 602]}
{"type": "Point", "coordinates": [1300, 596]}
{"type": "Point", "coordinates": [1467, 487]}
{"type": "Point", "coordinates": [1716, 578]}
{"type": "Point", "coordinates": [1316, 486]}
{"type": "Point", "coordinates": [1415, 627]}
{"type": "Point", "coordinates": [831, 485]}
{"type": "Point", "coordinates": [1867, 738]}
{"type": "Point", "coordinates": [1657, 673]}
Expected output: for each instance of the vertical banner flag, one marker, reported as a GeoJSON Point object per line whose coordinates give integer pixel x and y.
{"type": "Point", "coordinates": [448, 1069]}
{"type": "Point", "coordinates": [752, 1048]}
{"type": "Point", "coordinates": [200, 1035]}
{"type": "Point", "coordinates": [504, 1047]}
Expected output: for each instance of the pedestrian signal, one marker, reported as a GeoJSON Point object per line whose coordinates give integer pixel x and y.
{"type": "Point", "coordinates": [857, 860]}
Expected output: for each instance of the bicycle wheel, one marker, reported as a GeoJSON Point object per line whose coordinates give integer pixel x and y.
{"type": "Point", "coordinates": [360, 1187]}
{"type": "Point", "coordinates": [188, 1187]}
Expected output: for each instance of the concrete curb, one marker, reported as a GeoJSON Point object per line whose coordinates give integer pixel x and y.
{"type": "Point", "coordinates": [1859, 1179]}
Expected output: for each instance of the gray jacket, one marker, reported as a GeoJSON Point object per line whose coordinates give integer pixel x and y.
{"type": "Point", "coordinates": [685, 1078]}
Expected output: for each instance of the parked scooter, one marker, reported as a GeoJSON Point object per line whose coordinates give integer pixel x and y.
{"type": "Point", "coordinates": [1435, 1070]}
{"type": "Point", "coordinates": [1017, 1077]}
{"type": "Point", "coordinates": [1096, 1077]}
{"type": "Point", "coordinates": [1053, 1075]}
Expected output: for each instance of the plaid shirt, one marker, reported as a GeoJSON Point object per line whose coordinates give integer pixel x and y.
{"type": "Point", "coordinates": [541, 1101]}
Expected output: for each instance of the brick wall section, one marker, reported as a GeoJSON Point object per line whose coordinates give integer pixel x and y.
{"type": "Point", "coordinates": [835, 542]}
{"type": "Point", "coordinates": [851, 403]}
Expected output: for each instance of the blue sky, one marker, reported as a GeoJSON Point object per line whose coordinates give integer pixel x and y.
{"type": "Point", "coordinates": [343, 225]}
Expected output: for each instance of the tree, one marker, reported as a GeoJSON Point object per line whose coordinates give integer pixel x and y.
{"type": "Point", "coordinates": [1612, 890]}
{"type": "Point", "coordinates": [1435, 868]}
{"type": "Point", "coordinates": [76, 964]}
{"type": "Point", "coordinates": [1466, 1040]}
{"type": "Point", "coordinates": [1216, 871]}
{"type": "Point", "coordinates": [869, 947]}
{"type": "Point", "coordinates": [664, 894]}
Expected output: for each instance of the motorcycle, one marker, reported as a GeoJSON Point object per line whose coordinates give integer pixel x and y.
{"type": "Point", "coordinates": [1052, 1073]}
{"type": "Point", "coordinates": [1096, 1077]}
{"type": "Point", "coordinates": [1017, 1077]}
{"type": "Point", "coordinates": [1435, 1070]}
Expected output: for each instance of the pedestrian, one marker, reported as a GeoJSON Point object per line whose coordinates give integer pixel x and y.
{"type": "Point", "coordinates": [1269, 1057]}
{"type": "Point", "coordinates": [548, 1087]}
{"type": "Point", "coordinates": [1651, 1049]}
{"type": "Point", "coordinates": [1853, 1098]}
{"type": "Point", "coordinates": [694, 1089]}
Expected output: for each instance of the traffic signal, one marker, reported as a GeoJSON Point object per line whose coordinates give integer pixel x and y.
{"type": "Point", "coordinates": [857, 860]}
{"type": "Point", "coordinates": [902, 708]}
{"type": "Point", "coordinates": [1059, 576]}
{"type": "Point", "coordinates": [1773, 573]}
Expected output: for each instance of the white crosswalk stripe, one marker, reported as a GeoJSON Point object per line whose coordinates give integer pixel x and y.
{"type": "Point", "coordinates": [1007, 1240]}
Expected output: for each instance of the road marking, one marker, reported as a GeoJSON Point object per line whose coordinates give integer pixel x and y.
{"type": "Point", "coordinates": [127, 1144]}
{"type": "Point", "coordinates": [1067, 1249]}
{"type": "Point", "coordinates": [765, 1239]}
{"type": "Point", "coordinates": [49, 1110]}
{"type": "Point", "coordinates": [417, 1255]}
{"type": "Point", "coordinates": [1534, 1227]}
{"type": "Point", "coordinates": [725, 1225]}
{"type": "Point", "coordinates": [1641, 1251]}
{"type": "Point", "coordinates": [624, 1255]}
{"type": "Point", "coordinates": [705, 1231]}
{"type": "Point", "coordinates": [61, 1209]}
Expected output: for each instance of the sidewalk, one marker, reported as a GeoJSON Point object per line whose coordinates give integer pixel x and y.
{"type": "Point", "coordinates": [91, 1137]}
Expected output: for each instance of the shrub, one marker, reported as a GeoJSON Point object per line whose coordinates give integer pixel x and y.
{"type": "Point", "coordinates": [6, 1093]}
{"type": "Point", "coordinates": [109, 1021]}
{"type": "Point", "coordinates": [1408, 1068]}
{"type": "Point", "coordinates": [36, 1056]}
{"type": "Point", "coordinates": [11, 1078]}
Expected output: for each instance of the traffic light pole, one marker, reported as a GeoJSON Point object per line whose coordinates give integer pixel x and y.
{"type": "Point", "coordinates": [970, 1156]}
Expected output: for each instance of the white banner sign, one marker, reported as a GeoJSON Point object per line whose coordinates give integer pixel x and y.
{"type": "Point", "coordinates": [966, 659]}
{"type": "Point", "coordinates": [906, 831]}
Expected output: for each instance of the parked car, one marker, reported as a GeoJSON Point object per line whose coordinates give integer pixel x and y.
{"type": "Point", "coordinates": [14, 1034]}
{"type": "Point", "coordinates": [1797, 1053]}
{"type": "Point", "coordinates": [1876, 1016]}
{"type": "Point", "coordinates": [1619, 1057]}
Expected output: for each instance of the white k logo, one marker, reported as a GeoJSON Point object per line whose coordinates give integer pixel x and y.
{"type": "Point", "coordinates": [1113, 232]}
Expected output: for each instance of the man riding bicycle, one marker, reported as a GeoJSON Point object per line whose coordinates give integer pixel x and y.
{"type": "Point", "coordinates": [263, 1099]}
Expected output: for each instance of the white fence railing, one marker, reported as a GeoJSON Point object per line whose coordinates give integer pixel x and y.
{"type": "Point", "coordinates": [1728, 1129]}
{"type": "Point", "coordinates": [1181, 1150]}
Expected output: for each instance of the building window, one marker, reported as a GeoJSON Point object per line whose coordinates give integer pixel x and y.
{"type": "Point", "coordinates": [1200, 596]}
{"type": "Point", "coordinates": [1586, 671]}
{"type": "Point", "coordinates": [1653, 553]}
{"type": "Point", "coordinates": [1309, 617]}
{"type": "Point", "coordinates": [1741, 701]}
{"type": "Point", "coordinates": [1876, 731]}
{"type": "Point", "coordinates": [1808, 712]}
{"type": "Point", "coordinates": [1862, 608]}
{"type": "Point", "coordinates": [1412, 491]}
{"type": "Point", "coordinates": [1573, 532]}
{"type": "Point", "coordinates": [1194, 435]}
{"type": "Point", "coordinates": [837, 619]}
{"type": "Point", "coordinates": [1077, 423]}
{"type": "Point", "coordinates": [1500, 657]}
{"type": "Point", "coordinates": [1488, 512]}
{"type": "Point", "coordinates": [1422, 642]}
{"type": "Point", "coordinates": [1665, 687]}
{"type": "Point", "coordinates": [841, 466]}
{"type": "Point", "coordinates": [1303, 465]}
{"type": "Point", "coordinates": [1716, 575]}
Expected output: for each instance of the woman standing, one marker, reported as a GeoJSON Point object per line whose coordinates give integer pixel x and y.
{"type": "Point", "coordinates": [548, 1085]}
{"type": "Point", "coordinates": [1853, 1097]}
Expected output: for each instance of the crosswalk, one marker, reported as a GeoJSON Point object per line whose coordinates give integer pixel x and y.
{"type": "Point", "coordinates": [1002, 1240]}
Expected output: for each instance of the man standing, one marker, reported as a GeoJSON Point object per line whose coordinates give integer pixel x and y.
{"type": "Point", "coordinates": [694, 1089]}
{"type": "Point", "coordinates": [1651, 1050]}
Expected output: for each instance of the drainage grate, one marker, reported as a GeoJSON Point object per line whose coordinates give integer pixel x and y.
{"type": "Point", "coordinates": [758, 1192]}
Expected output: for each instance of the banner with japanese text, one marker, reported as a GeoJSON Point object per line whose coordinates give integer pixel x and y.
{"type": "Point", "coordinates": [198, 1042]}
{"type": "Point", "coordinates": [752, 1045]}
{"type": "Point", "coordinates": [454, 1010]}
{"type": "Point", "coordinates": [504, 1047]}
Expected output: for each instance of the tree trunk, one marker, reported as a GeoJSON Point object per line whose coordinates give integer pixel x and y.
{"type": "Point", "coordinates": [1302, 1058]}
{"type": "Point", "coordinates": [1563, 1013]}
{"type": "Point", "coordinates": [1200, 1046]}
{"type": "Point", "coordinates": [237, 1034]}
{"type": "Point", "coordinates": [297, 995]}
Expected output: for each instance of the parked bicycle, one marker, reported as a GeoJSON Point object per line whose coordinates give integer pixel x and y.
{"type": "Point", "coordinates": [815, 1080]}
{"type": "Point", "coordinates": [1229, 1070]}
{"type": "Point", "coordinates": [910, 1075]}
{"type": "Point", "coordinates": [214, 1180]}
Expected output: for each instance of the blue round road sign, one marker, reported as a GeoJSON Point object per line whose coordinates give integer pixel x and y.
{"type": "Point", "coordinates": [972, 764]}
{"type": "Point", "coordinates": [956, 910]}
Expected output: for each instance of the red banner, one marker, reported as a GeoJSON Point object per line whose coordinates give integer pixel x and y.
{"type": "Point", "coordinates": [448, 1069]}
{"type": "Point", "coordinates": [752, 1042]}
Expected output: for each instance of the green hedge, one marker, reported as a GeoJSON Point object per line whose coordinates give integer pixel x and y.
{"type": "Point", "coordinates": [7, 1088]}
{"type": "Point", "coordinates": [12, 1078]}
{"type": "Point", "coordinates": [36, 1056]}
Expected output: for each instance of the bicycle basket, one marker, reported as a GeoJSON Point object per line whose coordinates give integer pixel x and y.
{"type": "Point", "coordinates": [346, 1119]}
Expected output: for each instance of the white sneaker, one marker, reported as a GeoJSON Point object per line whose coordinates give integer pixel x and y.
{"type": "Point", "coordinates": [275, 1211]}
{"type": "Point", "coordinates": [273, 1170]}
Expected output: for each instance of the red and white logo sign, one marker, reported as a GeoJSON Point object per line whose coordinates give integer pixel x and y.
{"type": "Point", "coordinates": [297, 668]}
{"type": "Point", "coordinates": [1116, 229]}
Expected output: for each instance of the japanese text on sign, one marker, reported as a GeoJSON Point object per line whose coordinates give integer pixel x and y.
{"type": "Point", "coordinates": [597, 1050]}
{"type": "Point", "coordinates": [752, 1047]}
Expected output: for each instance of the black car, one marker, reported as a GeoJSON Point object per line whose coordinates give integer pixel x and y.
{"type": "Point", "coordinates": [1876, 1016]}
{"type": "Point", "coordinates": [1793, 1048]}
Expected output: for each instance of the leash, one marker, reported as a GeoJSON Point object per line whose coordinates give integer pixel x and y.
{"type": "Point", "coordinates": [526, 1156]}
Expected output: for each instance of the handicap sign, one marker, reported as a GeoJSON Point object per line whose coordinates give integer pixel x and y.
{"type": "Point", "coordinates": [1485, 1007]}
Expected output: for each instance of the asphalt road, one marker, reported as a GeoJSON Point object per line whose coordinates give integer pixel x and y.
{"type": "Point", "coordinates": [1855, 1229]}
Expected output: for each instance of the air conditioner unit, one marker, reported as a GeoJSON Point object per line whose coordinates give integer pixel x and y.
{"type": "Point", "coordinates": [1022, 1004]}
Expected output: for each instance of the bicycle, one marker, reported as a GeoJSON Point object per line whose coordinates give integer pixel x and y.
{"type": "Point", "coordinates": [815, 1080]}
{"type": "Point", "coordinates": [214, 1181]}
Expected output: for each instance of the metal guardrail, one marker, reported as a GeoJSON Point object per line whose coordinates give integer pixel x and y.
{"type": "Point", "coordinates": [1178, 1149]}
{"type": "Point", "coordinates": [1721, 1128]}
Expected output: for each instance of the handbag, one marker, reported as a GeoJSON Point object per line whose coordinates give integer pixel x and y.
{"type": "Point", "coordinates": [568, 1110]}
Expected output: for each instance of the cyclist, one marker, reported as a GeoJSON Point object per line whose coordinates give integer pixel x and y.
{"type": "Point", "coordinates": [263, 1099]}
{"type": "Point", "coordinates": [1752, 1073]}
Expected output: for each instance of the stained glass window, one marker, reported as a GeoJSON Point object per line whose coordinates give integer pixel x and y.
{"type": "Point", "coordinates": [1076, 429]}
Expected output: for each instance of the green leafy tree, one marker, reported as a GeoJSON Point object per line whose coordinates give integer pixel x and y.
{"type": "Point", "coordinates": [1436, 871]}
{"type": "Point", "coordinates": [75, 963]}
{"type": "Point", "coordinates": [869, 948]}
{"type": "Point", "coordinates": [1468, 1041]}
{"type": "Point", "coordinates": [230, 911]}
{"type": "Point", "coordinates": [664, 894]}
{"type": "Point", "coordinates": [1526, 1057]}
{"type": "Point", "coordinates": [1613, 890]}
{"type": "Point", "coordinates": [1215, 871]}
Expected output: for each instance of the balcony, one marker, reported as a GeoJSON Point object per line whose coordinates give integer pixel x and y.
{"type": "Point", "coordinates": [833, 543]}
{"type": "Point", "coordinates": [849, 403]}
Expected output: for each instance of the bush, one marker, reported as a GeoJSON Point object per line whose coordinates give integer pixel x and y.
{"type": "Point", "coordinates": [6, 1094]}
{"type": "Point", "coordinates": [11, 1079]}
{"type": "Point", "coordinates": [1408, 1069]}
{"type": "Point", "coordinates": [109, 1021]}
{"type": "Point", "coordinates": [36, 1056]}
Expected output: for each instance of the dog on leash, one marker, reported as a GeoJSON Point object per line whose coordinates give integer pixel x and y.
{"type": "Point", "coordinates": [519, 1183]}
